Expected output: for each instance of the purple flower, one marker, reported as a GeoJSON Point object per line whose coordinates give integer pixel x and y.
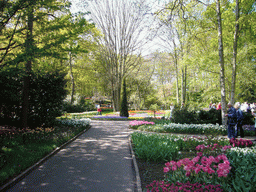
{"type": "Point", "coordinates": [109, 117]}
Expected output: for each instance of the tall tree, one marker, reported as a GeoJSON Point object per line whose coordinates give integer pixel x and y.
{"type": "Point", "coordinates": [47, 25]}
{"type": "Point", "coordinates": [28, 66]}
{"type": "Point", "coordinates": [173, 18]}
{"type": "Point", "coordinates": [221, 63]}
{"type": "Point", "coordinates": [77, 45]}
{"type": "Point", "coordinates": [233, 85]}
{"type": "Point", "coordinates": [121, 23]}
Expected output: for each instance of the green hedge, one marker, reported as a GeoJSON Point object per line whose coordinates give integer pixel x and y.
{"type": "Point", "coordinates": [212, 116]}
{"type": "Point", "coordinates": [47, 91]}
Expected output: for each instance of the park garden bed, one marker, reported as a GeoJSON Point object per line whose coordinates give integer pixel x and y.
{"type": "Point", "coordinates": [232, 167]}
{"type": "Point", "coordinates": [21, 149]}
{"type": "Point", "coordinates": [203, 129]}
{"type": "Point", "coordinates": [115, 116]}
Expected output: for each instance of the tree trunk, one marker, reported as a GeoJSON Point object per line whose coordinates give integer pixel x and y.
{"type": "Point", "coordinates": [233, 85]}
{"type": "Point", "coordinates": [26, 81]}
{"type": "Point", "coordinates": [221, 63]}
{"type": "Point", "coordinates": [72, 79]}
{"type": "Point", "coordinates": [116, 99]}
{"type": "Point", "coordinates": [177, 72]}
{"type": "Point", "coordinates": [124, 104]}
{"type": "Point", "coordinates": [184, 84]}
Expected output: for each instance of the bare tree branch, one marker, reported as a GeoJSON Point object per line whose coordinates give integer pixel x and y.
{"type": "Point", "coordinates": [10, 41]}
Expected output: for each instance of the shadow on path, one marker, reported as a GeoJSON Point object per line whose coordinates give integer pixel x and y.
{"type": "Point", "coordinates": [98, 160]}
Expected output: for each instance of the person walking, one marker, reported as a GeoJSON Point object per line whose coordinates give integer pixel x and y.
{"type": "Point", "coordinates": [239, 123]}
{"type": "Point", "coordinates": [231, 121]}
{"type": "Point", "coordinates": [219, 106]}
{"type": "Point", "coordinates": [171, 110]}
{"type": "Point", "coordinates": [98, 110]}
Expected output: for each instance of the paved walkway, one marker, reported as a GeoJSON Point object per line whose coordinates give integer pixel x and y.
{"type": "Point", "coordinates": [98, 161]}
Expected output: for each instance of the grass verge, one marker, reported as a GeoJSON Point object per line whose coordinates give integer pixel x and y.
{"type": "Point", "coordinates": [20, 149]}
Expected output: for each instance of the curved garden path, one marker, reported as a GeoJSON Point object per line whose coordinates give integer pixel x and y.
{"type": "Point", "coordinates": [99, 160]}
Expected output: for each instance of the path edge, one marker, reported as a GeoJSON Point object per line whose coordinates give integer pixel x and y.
{"type": "Point", "coordinates": [138, 181]}
{"type": "Point", "coordinates": [23, 174]}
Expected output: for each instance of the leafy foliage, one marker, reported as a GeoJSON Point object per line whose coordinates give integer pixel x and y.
{"type": "Point", "coordinates": [243, 169]}
{"type": "Point", "coordinates": [81, 106]}
{"type": "Point", "coordinates": [154, 147]}
{"type": "Point", "coordinates": [196, 117]}
{"type": "Point", "coordinates": [248, 119]}
{"type": "Point", "coordinates": [184, 116]}
{"type": "Point", "coordinates": [47, 90]}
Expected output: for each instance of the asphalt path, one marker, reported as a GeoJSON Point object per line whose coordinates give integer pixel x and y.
{"type": "Point", "coordinates": [99, 161]}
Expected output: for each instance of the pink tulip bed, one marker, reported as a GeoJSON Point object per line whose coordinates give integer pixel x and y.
{"type": "Point", "coordinates": [135, 124]}
{"type": "Point", "coordinates": [215, 164]}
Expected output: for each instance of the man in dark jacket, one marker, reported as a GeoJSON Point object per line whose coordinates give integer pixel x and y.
{"type": "Point", "coordinates": [239, 123]}
{"type": "Point", "coordinates": [231, 121]}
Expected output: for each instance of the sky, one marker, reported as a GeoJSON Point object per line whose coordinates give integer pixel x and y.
{"type": "Point", "coordinates": [78, 5]}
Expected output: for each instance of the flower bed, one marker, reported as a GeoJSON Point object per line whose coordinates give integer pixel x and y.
{"type": "Point", "coordinates": [210, 167]}
{"type": "Point", "coordinates": [177, 187]}
{"type": "Point", "coordinates": [134, 124]}
{"type": "Point", "coordinates": [185, 128]}
{"type": "Point", "coordinates": [110, 118]}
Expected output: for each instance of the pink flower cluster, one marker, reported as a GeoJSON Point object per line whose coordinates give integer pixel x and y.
{"type": "Point", "coordinates": [137, 123]}
{"type": "Point", "coordinates": [214, 147]}
{"type": "Point", "coordinates": [240, 143]}
{"type": "Point", "coordinates": [157, 186]}
{"type": "Point", "coordinates": [210, 165]}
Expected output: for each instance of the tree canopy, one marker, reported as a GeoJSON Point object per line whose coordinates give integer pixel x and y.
{"type": "Point", "coordinates": [206, 48]}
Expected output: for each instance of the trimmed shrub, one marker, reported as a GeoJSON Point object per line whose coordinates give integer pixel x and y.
{"type": "Point", "coordinates": [184, 116]}
{"type": "Point", "coordinates": [72, 108]}
{"type": "Point", "coordinates": [10, 95]}
{"type": "Point", "coordinates": [81, 106]}
{"type": "Point", "coordinates": [248, 119]}
{"type": "Point", "coordinates": [212, 116]}
{"type": "Point", "coordinates": [47, 91]}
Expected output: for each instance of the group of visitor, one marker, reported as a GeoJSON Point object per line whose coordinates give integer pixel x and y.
{"type": "Point", "coordinates": [235, 118]}
{"type": "Point", "coordinates": [248, 107]}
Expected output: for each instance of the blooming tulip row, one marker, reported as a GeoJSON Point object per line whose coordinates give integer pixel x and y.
{"type": "Point", "coordinates": [210, 165]}
{"type": "Point", "coordinates": [241, 143]}
{"type": "Point", "coordinates": [245, 151]}
{"type": "Point", "coordinates": [157, 186]}
{"type": "Point", "coordinates": [215, 163]}
{"type": "Point", "coordinates": [109, 117]}
{"type": "Point", "coordinates": [198, 170]}
{"type": "Point", "coordinates": [215, 148]}
{"type": "Point", "coordinates": [137, 123]}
